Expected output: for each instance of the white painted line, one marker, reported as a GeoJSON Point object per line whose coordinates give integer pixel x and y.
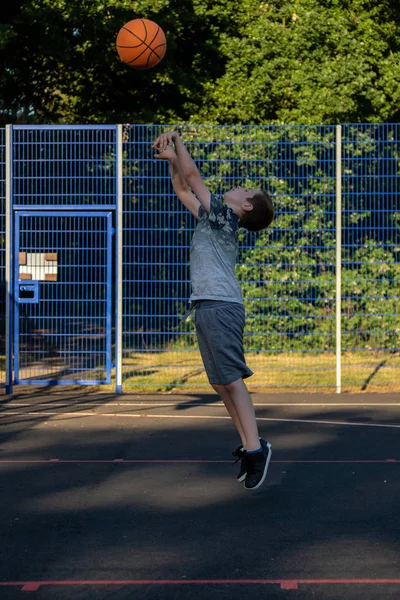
{"type": "Point", "coordinates": [217, 404]}
{"type": "Point", "coordinates": [187, 416]}
{"type": "Point", "coordinates": [220, 404]}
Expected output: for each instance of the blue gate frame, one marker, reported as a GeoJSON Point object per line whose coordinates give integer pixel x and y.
{"type": "Point", "coordinates": [62, 309]}
{"type": "Point", "coordinates": [61, 313]}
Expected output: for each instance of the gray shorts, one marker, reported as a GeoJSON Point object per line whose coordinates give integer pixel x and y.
{"type": "Point", "coordinates": [219, 328]}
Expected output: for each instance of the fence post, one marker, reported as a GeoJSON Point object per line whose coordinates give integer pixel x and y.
{"type": "Point", "coordinates": [9, 262]}
{"type": "Point", "coordinates": [338, 258]}
{"type": "Point", "coordinates": [119, 271]}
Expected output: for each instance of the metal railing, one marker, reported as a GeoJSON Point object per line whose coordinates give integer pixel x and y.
{"type": "Point", "coordinates": [2, 256]}
{"type": "Point", "coordinates": [320, 286]}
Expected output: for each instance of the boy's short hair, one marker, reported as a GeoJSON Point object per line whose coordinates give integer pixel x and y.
{"type": "Point", "coordinates": [262, 213]}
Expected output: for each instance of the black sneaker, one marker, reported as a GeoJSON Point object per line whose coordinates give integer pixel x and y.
{"type": "Point", "coordinates": [257, 466]}
{"type": "Point", "coordinates": [240, 452]}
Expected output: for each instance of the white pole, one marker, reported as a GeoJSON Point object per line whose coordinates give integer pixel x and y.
{"type": "Point", "coordinates": [119, 274]}
{"type": "Point", "coordinates": [9, 345]}
{"type": "Point", "coordinates": [338, 258]}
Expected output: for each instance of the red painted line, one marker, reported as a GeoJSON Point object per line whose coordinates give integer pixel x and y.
{"type": "Point", "coordinates": [285, 584]}
{"type": "Point", "coordinates": [339, 461]}
{"type": "Point", "coordinates": [31, 587]}
{"type": "Point", "coordinates": [289, 585]}
{"type": "Point", "coordinates": [112, 461]}
{"type": "Point", "coordinates": [191, 461]}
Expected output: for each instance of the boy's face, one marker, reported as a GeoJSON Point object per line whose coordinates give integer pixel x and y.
{"type": "Point", "coordinates": [237, 199]}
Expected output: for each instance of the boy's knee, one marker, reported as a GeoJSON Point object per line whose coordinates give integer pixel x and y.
{"type": "Point", "coordinates": [220, 389]}
{"type": "Point", "coordinates": [232, 387]}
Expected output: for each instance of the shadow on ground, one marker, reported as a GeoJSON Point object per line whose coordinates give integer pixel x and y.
{"type": "Point", "coordinates": [192, 520]}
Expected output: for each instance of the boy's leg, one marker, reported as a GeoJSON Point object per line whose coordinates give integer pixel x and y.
{"type": "Point", "coordinates": [244, 408]}
{"type": "Point", "coordinates": [259, 452]}
{"type": "Point", "coordinates": [230, 407]}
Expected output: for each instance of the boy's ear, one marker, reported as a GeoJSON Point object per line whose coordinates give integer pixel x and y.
{"type": "Point", "coordinates": [247, 206]}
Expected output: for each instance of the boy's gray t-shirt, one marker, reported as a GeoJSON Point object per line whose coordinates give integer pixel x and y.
{"type": "Point", "coordinates": [213, 255]}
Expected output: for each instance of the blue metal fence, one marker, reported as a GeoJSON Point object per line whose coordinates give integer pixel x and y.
{"type": "Point", "coordinates": [62, 293]}
{"type": "Point", "coordinates": [371, 254]}
{"type": "Point", "coordinates": [62, 252]}
{"type": "Point", "coordinates": [290, 275]}
{"type": "Point", "coordinates": [66, 165]}
{"type": "Point", "coordinates": [2, 253]}
{"type": "Point", "coordinates": [297, 164]}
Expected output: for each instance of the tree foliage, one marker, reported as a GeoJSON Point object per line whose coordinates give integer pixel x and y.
{"type": "Point", "coordinates": [297, 61]}
{"type": "Point", "coordinates": [288, 272]}
{"type": "Point", "coordinates": [232, 62]}
{"type": "Point", "coordinates": [310, 61]}
{"type": "Point", "coordinates": [62, 64]}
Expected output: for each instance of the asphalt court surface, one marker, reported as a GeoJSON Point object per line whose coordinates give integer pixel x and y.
{"type": "Point", "coordinates": [135, 496]}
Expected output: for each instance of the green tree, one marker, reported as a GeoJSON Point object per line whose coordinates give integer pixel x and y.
{"type": "Point", "coordinates": [310, 61]}
{"type": "Point", "coordinates": [62, 65]}
{"type": "Point", "coordinates": [230, 61]}
{"type": "Point", "coordinates": [288, 272]}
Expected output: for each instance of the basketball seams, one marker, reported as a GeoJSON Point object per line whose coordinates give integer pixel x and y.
{"type": "Point", "coordinates": [142, 41]}
{"type": "Point", "coordinates": [148, 48]}
{"type": "Point", "coordinates": [152, 49]}
{"type": "Point", "coordinates": [145, 30]}
{"type": "Point", "coordinates": [138, 56]}
{"type": "Point", "coordinates": [136, 36]}
{"type": "Point", "coordinates": [159, 46]}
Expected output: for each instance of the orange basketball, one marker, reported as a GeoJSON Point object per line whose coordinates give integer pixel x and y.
{"type": "Point", "coordinates": [141, 44]}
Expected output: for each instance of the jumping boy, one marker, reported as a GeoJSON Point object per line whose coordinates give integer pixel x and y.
{"type": "Point", "coordinates": [220, 316]}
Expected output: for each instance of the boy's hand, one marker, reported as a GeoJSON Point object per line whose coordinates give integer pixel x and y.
{"type": "Point", "coordinates": [167, 153]}
{"type": "Point", "coordinates": [164, 139]}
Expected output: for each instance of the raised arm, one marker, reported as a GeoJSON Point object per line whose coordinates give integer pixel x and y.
{"type": "Point", "coordinates": [179, 184]}
{"type": "Point", "coordinates": [189, 168]}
